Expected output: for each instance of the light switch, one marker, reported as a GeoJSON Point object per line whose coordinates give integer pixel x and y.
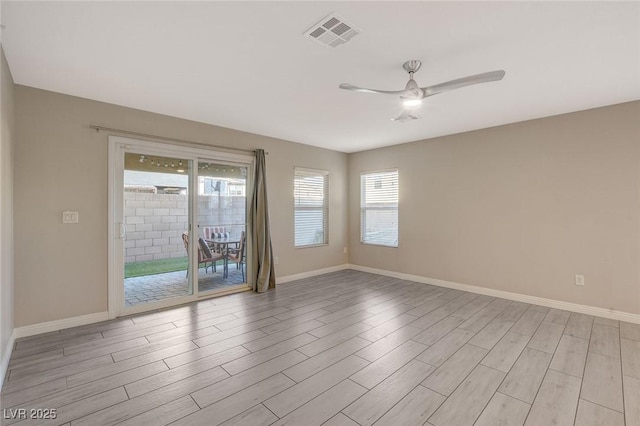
{"type": "Point", "coordinates": [69, 217]}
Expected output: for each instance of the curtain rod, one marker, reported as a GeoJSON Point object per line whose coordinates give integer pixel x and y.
{"type": "Point", "coordinates": [164, 138]}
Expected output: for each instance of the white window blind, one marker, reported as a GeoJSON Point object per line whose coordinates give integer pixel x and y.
{"type": "Point", "coordinates": [311, 204]}
{"type": "Point", "coordinates": [379, 208]}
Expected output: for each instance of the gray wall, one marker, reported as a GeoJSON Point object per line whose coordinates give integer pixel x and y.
{"type": "Point", "coordinates": [7, 133]}
{"type": "Point", "coordinates": [63, 166]}
{"type": "Point", "coordinates": [520, 208]}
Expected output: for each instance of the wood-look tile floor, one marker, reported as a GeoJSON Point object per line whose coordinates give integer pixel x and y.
{"type": "Point", "coordinates": [345, 348]}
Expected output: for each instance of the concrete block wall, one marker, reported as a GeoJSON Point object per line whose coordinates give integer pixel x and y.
{"type": "Point", "coordinates": [155, 222]}
{"type": "Point", "coordinates": [227, 211]}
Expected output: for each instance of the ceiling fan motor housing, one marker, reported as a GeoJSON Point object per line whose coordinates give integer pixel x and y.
{"type": "Point", "coordinates": [412, 66]}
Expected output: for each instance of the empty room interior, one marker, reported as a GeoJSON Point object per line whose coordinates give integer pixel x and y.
{"type": "Point", "coordinates": [320, 213]}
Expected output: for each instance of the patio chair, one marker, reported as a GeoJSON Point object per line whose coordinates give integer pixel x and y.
{"type": "Point", "coordinates": [205, 255]}
{"type": "Point", "coordinates": [238, 255]}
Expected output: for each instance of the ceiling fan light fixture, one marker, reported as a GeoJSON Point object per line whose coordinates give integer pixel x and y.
{"type": "Point", "coordinates": [411, 103]}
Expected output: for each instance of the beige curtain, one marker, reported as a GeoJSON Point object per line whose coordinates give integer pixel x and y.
{"type": "Point", "coordinates": [262, 259]}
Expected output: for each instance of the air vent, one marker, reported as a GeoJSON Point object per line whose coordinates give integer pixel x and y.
{"type": "Point", "coordinates": [332, 31]}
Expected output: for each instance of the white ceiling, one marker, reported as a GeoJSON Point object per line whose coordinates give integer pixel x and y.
{"type": "Point", "coordinates": [247, 66]}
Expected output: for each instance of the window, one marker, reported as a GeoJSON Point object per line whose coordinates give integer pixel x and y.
{"type": "Point", "coordinates": [311, 205]}
{"type": "Point", "coordinates": [209, 186]}
{"type": "Point", "coordinates": [379, 208]}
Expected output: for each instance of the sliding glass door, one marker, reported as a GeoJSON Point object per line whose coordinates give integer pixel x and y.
{"type": "Point", "coordinates": [222, 217]}
{"type": "Point", "coordinates": [178, 224]}
{"type": "Point", "coordinates": [155, 227]}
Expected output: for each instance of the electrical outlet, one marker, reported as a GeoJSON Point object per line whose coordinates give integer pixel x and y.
{"type": "Point", "coordinates": [579, 279]}
{"type": "Point", "coordinates": [69, 217]}
{"type": "Point", "coordinates": [275, 260]}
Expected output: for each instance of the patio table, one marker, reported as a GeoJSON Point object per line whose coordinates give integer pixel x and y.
{"type": "Point", "coordinates": [224, 243]}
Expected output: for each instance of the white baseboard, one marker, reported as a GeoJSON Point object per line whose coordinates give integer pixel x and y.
{"type": "Point", "coordinates": [287, 278]}
{"type": "Point", "coordinates": [6, 356]}
{"type": "Point", "coordinates": [46, 327]}
{"type": "Point", "coordinates": [549, 303]}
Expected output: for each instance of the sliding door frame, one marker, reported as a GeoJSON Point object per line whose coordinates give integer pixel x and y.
{"type": "Point", "coordinates": [248, 241]}
{"type": "Point", "coordinates": [118, 146]}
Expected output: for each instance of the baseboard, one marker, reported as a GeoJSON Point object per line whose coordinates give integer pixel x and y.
{"type": "Point", "coordinates": [549, 303]}
{"type": "Point", "coordinates": [308, 274]}
{"type": "Point", "coordinates": [46, 327]}
{"type": "Point", "coordinates": [6, 356]}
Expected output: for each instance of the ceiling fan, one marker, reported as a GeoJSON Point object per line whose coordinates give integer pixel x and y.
{"type": "Point", "coordinates": [412, 95]}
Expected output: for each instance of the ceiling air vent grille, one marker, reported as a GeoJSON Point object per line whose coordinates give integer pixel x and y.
{"type": "Point", "coordinates": [332, 31]}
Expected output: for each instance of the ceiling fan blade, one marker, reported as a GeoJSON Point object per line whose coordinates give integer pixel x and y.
{"type": "Point", "coordinates": [406, 115]}
{"type": "Point", "coordinates": [462, 82]}
{"type": "Point", "coordinates": [347, 86]}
